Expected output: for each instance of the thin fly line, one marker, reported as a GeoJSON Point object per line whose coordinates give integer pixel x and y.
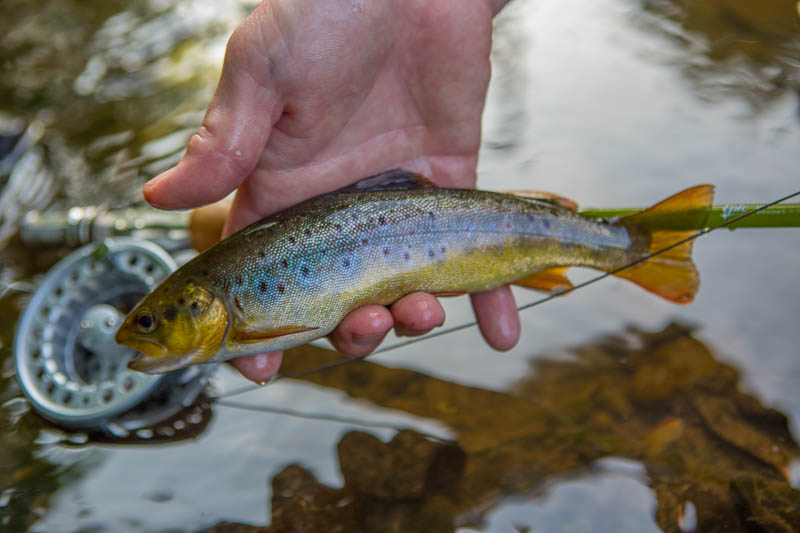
{"type": "Point", "coordinates": [447, 331]}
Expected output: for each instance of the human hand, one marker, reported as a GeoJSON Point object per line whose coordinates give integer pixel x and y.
{"type": "Point", "coordinates": [317, 94]}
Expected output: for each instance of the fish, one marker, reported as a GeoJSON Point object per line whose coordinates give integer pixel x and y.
{"type": "Point", "coordinates": [293, 276]}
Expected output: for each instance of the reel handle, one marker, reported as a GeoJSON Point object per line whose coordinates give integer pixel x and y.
{"type": "Point", "coordinates": [206, 224]}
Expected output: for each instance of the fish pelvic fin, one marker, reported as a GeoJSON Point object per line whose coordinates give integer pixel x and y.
{"type": "Point", "coordinates": [670, 274]}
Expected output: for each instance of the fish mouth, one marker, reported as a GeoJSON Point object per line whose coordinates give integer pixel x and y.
{"type": "Point", "coordinates": [150, 356]}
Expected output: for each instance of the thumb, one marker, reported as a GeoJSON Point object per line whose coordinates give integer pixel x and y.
{"type": "Point", "coordinates": [230, 142]}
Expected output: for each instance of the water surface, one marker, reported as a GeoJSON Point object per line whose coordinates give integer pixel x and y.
{"type": "Point", "coordinates": [616, 412]}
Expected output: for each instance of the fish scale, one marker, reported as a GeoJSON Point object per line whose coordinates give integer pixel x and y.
{"type": "Point", "coordinates": [293, 276]}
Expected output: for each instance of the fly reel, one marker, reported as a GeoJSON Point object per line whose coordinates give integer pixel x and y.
{"type": "Point", "coordinates": [68, 364]}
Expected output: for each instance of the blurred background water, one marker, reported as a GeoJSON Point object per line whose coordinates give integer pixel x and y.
{"type": "Point", "coordinates": [604, 418]}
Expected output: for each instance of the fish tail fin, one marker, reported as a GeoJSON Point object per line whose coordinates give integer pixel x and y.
{"type": "Point", "coordinates": [670, 274]}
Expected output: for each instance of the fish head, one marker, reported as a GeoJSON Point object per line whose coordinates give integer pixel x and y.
{"type": "Point", "coordinates": [174, 328]}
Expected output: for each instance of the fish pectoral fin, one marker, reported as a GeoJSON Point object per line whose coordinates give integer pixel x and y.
{"type": "Point", "coordinates": [251, 335]}
{"type": "Point", "coordinates": [551, 279]}
{"type": "Point", "coordinates": [548, 197]}
{"type": "Point", "coordinates": [392, 180]}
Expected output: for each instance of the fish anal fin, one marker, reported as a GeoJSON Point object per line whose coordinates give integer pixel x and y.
{"type": "Point", "coordinates": [671, 274]}
{"type": "Point", "coordinates": [392, 180]}
{"type": "Point", "coordinates": [549, 197]}
{"type": "Point", "coordinates": [551, 279]}
{"type": "Point", "coordinates": [252, 335]}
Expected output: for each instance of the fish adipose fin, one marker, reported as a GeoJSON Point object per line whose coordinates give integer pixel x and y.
{"type": "Point", "coordinates": [670, 274]}
{"type": "Point", "coordinates": [253, 335]}
{"type": "Point", "coordinates": [551, 279]}
{"type": "Point", "coordinates": [548, 197]}
{"type": "Point", "coordinates": [391, 180]}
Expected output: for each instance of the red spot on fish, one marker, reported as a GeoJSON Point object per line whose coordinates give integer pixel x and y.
{"type": "Point", "coordinates": [381, 220]}
{"type": "Point", "coordinates": [284, 262]}
{"type": "Point", "coordinates": [507, 225]}
{"type": "Point", "coordinates": [308, 233]}
{"type": "Point", "coordinates": [412, 232]}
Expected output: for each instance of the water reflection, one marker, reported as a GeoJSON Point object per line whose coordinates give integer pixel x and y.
{"type": "Point", "coordinates": [661, 399]}
{"type": "Point", "coordinates": [734, 47]}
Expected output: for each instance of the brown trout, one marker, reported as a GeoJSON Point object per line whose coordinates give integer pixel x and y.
{"type": "Point", "coordinates": [293, 276]}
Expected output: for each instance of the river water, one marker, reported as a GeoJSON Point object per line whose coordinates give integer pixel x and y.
{"type": "Point", "coordinates": [617, 411]}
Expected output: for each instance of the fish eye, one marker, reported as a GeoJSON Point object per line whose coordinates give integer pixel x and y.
{"type": "Point", "coordinates": [145, 322]}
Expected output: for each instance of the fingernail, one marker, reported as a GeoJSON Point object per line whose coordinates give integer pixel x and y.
{"type": "Point", "coordinates": [261, 361]}
{"type": "Point", "coordinates": [367, 340]}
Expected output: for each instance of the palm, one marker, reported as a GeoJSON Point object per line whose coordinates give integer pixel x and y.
{"type": "Point", "coordinates": [315, 95]}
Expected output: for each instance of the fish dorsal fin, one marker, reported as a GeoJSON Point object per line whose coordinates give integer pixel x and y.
{"type": "Point", "coordinates": [252, 335]}
{"type": "Point", "coordinates": [548, 197]}
{"type": "Point", "coordinates": [551, 279]}
{"type": "Point", "coordinates": [392, 180]}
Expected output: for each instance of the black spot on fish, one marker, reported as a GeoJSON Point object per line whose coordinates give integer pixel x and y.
{"type": "Point", "coordinates": [382, 220]}
{"type": "Point", "coordinates": [308, 233]}
{"type": "Point", "coordinates": [385, 251]}
{"type": "Point", "coordinates": [431, 214]}
{"type": "Point", "coordinates": [292, 240]}
{"type": "Point", "coordinates": [204, 273]}
{"type": "Point", "coordinates": [305, 271]}
{"type": "Point", "coordinates": [338, 227]}
{"type": "Point", "coordinates": [262, 286]}
{"type": "Point", "coordinates": [406, 256]}
{"type": "Point", "coordinates": [365, 241]}
{"type": "Point", "coordinates": [262, 254]}
{"type": "Point", "coordinates": [181, 301]}
{"type": "Point", "coordinates": [239, 279]}
{"type": "Point", "coordinates": [194, 305]}
{"type": "Point", "coordinates": [443, 249]}
{"type": "Point", "coordinates": [412, 232]}
{"type": "Point", "coordinates": [284, 262]}
{"type": "Point", "coordinates": [281, 288]}
{"type": "Point", "coordinates": [430, 253]}
{"type": "Point", "coordinates": [346, 262]}
{"type": "Point", "coordinates": [170, 313]}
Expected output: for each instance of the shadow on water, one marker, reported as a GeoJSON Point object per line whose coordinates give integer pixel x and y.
{"type": "Point", "coordinates": [661, 399]}
{"type": "Point", "coordinates": [732, 47]}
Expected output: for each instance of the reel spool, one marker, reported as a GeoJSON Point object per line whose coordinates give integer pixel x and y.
{"type": "Point", "coordinates": [68, 365]}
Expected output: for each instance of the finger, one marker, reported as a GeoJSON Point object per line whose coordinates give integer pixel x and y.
{"type": "Point", "coordinates": [497, 317]}
{"type": "Point", "coordinates": [362, 330]}
{"type": "Point", "coordinates": [260, 367]}
{"type": "Point", "coordinates": [231, 140]}
{"type": "Point", "coordinates": [416, 314]}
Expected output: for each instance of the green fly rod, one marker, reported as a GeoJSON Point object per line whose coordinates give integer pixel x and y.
{"type": "Point", "coordinates": [776, 216]}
